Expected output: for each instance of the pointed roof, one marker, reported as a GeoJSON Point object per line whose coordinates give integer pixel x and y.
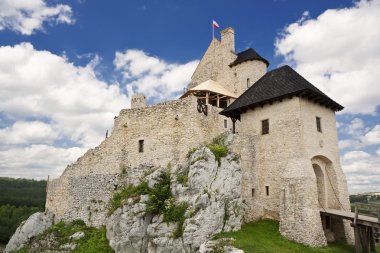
{"type": "Point", "coordinates": [211, 86]}
{"type": "Point", "coordinates": [248, 55]}
{"type": "Point", "coordinates": [275, 85]}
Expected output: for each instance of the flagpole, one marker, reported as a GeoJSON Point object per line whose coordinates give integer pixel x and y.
{"type": "Point", "coordinates": [213, 36]}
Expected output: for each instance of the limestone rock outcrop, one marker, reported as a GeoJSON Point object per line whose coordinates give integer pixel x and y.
{"type": "Point", "coordinates": [212, 193]}
{"type": "Point", "coordinates": [33, 226]}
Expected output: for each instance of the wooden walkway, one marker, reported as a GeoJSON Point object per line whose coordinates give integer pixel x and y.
{"type": "Point", "coordinates": [366, 228]}
{"type": "Point", "coordinates": [361, 220]}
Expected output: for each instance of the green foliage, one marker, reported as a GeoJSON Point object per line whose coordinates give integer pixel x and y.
{"type": "Point", "coordinates": [264, 236]}
{"type": "Point", "coordinates": [94, 239]}
{"type": "Point", "coordinates": [121, 197]}
{"type": "Point", "coordinates": [19, 198]}
{"type": "Point", "coordinates": [22, 250]}
{"type": "Point", "coordinates": [183, 179]}
{"type": "Point", "coordinates": [22, 192]}
{"type": "Point", "coordinates": [218, 150]}
{"type": "Point", "coordinates": [364, 198]}
{"type": "Point", "coordinates": [159, 194]}
{"type": "Point", "coordinates": [175, 213]}
{"type": "Point", "coordinates": [161, 201]}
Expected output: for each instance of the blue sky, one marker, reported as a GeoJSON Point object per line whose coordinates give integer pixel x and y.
{"type": "Point", "coordinates": [67, 67]}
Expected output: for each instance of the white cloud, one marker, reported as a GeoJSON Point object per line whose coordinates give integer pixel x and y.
{"type": "Point", "coordinates": [356, 127]}
{"type": "Point", "coordinates": [37, 161]}
{"type": "Point", "coordinates": [28, 16]}
{"type": "Point", "coordinates": [43, 85]}
{"type": "Point", "coordinates": [362, 171]}
{"type": "Point", "coordinates": [359, 136]}
{"type": "Point", "coordinates": [373, 136]}
{"type": "Point", "coordinates": [339, 52]}
{"type": "Point", "coordinates": [76, 107]}
{"type": "Point", "coordinates": [152, 76]}
{"type": "Point", "coordinates": [28, 132]}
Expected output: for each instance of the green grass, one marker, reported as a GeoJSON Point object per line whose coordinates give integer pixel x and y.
{"type": "Point", "coordinates": [264, 237]}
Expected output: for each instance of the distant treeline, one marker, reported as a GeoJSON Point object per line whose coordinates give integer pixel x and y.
{"type": "Point", "coordinates": [364, 198]}
{"type": "Point", "coordinates": [19, 198]}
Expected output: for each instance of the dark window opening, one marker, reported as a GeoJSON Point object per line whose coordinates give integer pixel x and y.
{"type": "Point", "coordinates": [247, 82]}
{"type": "Point", "coordinates": [253, 192]}
{"type": "Point", "coordinates": [265, 126]}
{"type": "Point", "coordinates": [267, 190]}
{"type": "Point", "coordinates": [141, 146]}
{"type": "Point", "coordinates": [225, 123]}
{"type": "Point", "coordinates": [319, 126]}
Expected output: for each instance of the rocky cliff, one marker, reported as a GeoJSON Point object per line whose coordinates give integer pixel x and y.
{"type": "Point", "coordinates": [172, 209]}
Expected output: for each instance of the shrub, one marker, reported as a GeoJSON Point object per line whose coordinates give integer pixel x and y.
{"type": "Point", "coordinates": [182, 179]}
{"type": "Point", "coordinates": [158, 194]}
{"type": "Point", "coordinates": [94, 239]}
{"type": "Point", "coordinates": [120, 198]}
{"type": "Point", "coordinates": [219, 151]}
{"type": "Point", "coordinates": [161, 201]}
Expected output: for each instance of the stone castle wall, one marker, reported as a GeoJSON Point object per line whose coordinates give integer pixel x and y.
{"type": "Point", "coordinates": [169, 130]}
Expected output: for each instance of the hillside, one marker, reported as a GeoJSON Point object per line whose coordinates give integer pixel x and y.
{"type": "Point", "coordinates": [19, 198]}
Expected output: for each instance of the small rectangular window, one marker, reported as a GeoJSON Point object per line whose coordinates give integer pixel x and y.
{"type": "Point", "coordinates": [319, 125]}
{"type": "Point", "coordinates": [141, 146]}
{"type": "Point", "coordinates": [253, 192]}
{"type": "Point", "coordinates": [265, 126]}
{"type": "Point", "coordinates": [248, 82]}
{"type": "Point", "coordinates": [267, 190]}
{"type": "Point", "coordinates": [225, 123]}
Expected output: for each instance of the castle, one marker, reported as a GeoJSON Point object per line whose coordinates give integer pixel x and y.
{"type": "Point", "coordinates": [284, 132]}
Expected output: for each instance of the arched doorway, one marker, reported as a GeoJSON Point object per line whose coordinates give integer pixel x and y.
{"type": "Point", "coordinates": [327, 183]}
{"type": "Point", "coordinates": [321, 186]}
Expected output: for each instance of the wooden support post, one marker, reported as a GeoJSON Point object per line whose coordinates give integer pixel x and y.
{"type": "Point", "coordinates": [207, 97]}
{"type": "Point", "coordinates": [217, 100]}
{"type": "Point", "coordinates": [233, 125]}
{"type": "Point", "coordinates": [371, 237]}
{"type": "Point", "coordinates": [357, 239]}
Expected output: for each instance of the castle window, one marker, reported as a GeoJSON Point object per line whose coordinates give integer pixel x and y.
{"type": "Point", "coordinates": [225, 123]}
{"type": "Point", "coordinates": [253, 192]}
{"type": "Point", "coordinates": [141, 146]}
{"type": "Point", "coordinates": [267, 190]}
{"type": "Point", "coordinates": [265, 126]}
{"type": "Point", "coordinates": [247, 82]}
{"type": "Point", "coordinates": [319, 125]}
{"type": "Point", "coordinates": [235, 74]}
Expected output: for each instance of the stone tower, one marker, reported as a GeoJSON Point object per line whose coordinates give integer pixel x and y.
{"type": "Point", "coordinates": [234, 71]}
{"type": "Point", "coordinates": [138, 101]}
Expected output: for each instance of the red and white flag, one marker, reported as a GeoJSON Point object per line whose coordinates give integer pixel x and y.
{"type": "Point", "coordinates": [214, 24]}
